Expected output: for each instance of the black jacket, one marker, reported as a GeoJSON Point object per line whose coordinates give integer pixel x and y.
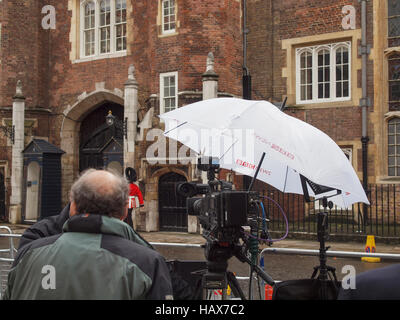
{"type": "Point", "coordinates": [96, 258]}
{"type": "Point", "coordinates": [377, 284]}
{"type": "Point", "coordinates": [53, 225]}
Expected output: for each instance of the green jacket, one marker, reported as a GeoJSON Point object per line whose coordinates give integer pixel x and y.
{"type": "Point", "coordinates": [94, 258]}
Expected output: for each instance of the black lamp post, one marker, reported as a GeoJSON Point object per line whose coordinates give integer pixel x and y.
{"type": "Point", "coordinates": [112, 120]}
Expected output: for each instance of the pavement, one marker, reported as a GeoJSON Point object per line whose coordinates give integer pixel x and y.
{"type": "Point", "coordinates": [182, 237]}
{"type": "Point", "coordinates": [178, 237]}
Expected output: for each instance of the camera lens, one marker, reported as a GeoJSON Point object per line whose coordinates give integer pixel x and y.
{"type": "Point", "coordinates": [186, 189]}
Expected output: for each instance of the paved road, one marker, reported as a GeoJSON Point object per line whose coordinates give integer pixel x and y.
{"type": "Point", "coordinates": [279, 267]}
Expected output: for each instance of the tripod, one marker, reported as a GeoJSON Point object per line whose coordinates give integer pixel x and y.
{"type": "Point", "coordinates": [326, 273]}
{"type": "Point", "coordinates": [217, 277]}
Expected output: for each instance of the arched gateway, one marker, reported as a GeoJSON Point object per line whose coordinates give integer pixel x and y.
{"type": "Point", "coordinates": [96, 135]}
{"type": "Point", "coordinates": [85, 135]}
{"type": "Point", "coordinates": [172, 206]}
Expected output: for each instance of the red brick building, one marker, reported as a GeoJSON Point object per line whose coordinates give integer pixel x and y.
{"type": "Point", "coordinates": [74, 73]}
{"type": "Point", "coordinates": [331, 66]}
{"type": "Point", "coordinates": [312, 52]}
{"type": "Point", "coordinates": [292, 50]}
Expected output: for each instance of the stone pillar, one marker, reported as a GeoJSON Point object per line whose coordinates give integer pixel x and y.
{"type": "Point", "coordinates": [131, 107]}
{"type": "Point", "coordinates": [18, 120]}
{"type": "Point", "coordinates": [210, 91]}
{"type": "Point", "coordinates": [210, 79]}
{"type": "Point", "coordinates": [130, 115]}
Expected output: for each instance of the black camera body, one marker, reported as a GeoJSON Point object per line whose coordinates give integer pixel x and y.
{"type": "Point", "coordinates": [223, 213]}
{"type": "Point", "coordinates": [226, 208]}
{"type": "Point", "coordinates": [221, 210]}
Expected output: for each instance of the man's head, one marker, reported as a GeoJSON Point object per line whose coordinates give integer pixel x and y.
{"type": "Point", "coordinates": [100, 192]}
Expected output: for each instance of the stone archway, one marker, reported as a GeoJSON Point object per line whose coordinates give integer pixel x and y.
{"type": "Point", "coordinates": [70, 129]}
{"type": "Point", "coordinates": [152, 196]}
{"type": "Point", "coordinates": [171, 205]}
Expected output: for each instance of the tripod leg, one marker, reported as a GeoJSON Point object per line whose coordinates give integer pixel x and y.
{"type": "Point", "coordinates": [235, 286]}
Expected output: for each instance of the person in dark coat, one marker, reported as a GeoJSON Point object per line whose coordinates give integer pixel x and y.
{"type": "Point", "coordinates": [53, 225]}
{"type": "Point", "coordinates": [95, 257]}
{"type": "Point", "coordinates": [377, 284]}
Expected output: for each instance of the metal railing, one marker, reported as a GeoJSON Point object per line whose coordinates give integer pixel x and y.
{"type": "Point", "coordinates": [6, 262]}
{"type": "Point", "coordinates": [380, 218]}
{"type": "Point", "coordinates": [6, 257]}
{"type": "Point", "coordinates": [337, 254]}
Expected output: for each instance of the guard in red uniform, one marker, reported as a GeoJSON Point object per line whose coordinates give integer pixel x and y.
{"type": "Point", "coordinates": [135, 196]}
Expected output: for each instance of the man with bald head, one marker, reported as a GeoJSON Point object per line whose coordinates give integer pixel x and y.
{"type": "Point", "coordinates": [96, 256]}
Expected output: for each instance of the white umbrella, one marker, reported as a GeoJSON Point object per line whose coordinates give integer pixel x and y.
{"type": "Point", "coordinates": [240, 131]}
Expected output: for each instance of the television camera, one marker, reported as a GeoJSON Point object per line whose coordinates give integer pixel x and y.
{"type": "Point", "coordinates": [224, 214]}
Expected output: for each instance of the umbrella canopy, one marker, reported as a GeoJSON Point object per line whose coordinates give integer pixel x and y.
{"type": "Point", "coordinates": [240, 131]}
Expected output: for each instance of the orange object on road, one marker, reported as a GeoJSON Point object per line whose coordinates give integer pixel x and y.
{"type": "Point", "coordinates": [268, 292]}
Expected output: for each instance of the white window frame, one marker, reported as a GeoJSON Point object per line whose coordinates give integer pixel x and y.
{"type": "Point", "coordinates": [162, 18]}
{"type": "Point", "coordinates": [116, 24]}
{"type": "Point", "coordinates": [314, 50]}
{"type": "Point", "coordinates": [162, 76]}
{"type": "Point", "coordinates": [97, 28]}
{"type": "Point", "coordinates": [348, 153]}
{"type": "Point", "coordinates": [110, 26]}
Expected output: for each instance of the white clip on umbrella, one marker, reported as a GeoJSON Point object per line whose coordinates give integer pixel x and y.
{"type": "Point", "coordinates": [295, 155]}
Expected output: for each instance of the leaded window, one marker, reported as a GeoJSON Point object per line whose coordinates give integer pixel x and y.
{"type": "Point", "coordinates": [394, 82]}
{"type": "Point", "coordinates": [394, 147]}
{"type": "Point", "coordinates": [394, 23]}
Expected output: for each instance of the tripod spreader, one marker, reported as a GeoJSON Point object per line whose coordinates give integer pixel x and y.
{"type": "Point", "coordinates": [266, 277]}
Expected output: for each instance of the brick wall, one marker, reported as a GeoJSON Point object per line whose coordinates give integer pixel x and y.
{"type": "Point", "coordinates": [23, 52]}
{"type": "Point", "coordinates": [41, 58]}
{"type": "Point", "coordinates": [270, 22]}
{"type": "Point", "coordinates": [51, 81]}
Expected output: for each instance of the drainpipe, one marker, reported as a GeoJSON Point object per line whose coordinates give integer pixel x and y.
{"type": "Point", "coordinates": [365, 102]}
{"type": "Point", "coordinates": [246, 79]}
{"type": "Point", "coordinates": [246, 76]}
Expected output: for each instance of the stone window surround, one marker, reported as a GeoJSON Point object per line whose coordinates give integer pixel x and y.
{"type": "Point", "coordinates": [170, 31]}
{"type": "Point", "coordinates": [385, 178]}
{"type": "Point", "coordinates": [289, 70]}
{"type": "Point", "coordinates": [160, 28]}
{"type": "Point", "coordinates": [314, 50]}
